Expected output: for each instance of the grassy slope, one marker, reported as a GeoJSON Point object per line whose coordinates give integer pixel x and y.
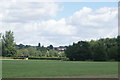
{"type": "Point", "coordinates": [37, 68]}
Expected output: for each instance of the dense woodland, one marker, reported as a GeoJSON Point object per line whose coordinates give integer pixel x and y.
{"type": "Point", "coordinates": [104, 49]}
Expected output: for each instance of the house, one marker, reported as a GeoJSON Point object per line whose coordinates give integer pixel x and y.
{"type": "Point", "coordinates": [60, 48]}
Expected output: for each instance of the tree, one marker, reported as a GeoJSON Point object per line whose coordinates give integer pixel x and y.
{"type": "Point", "coordinates": [8, 44]}
{"type": "Point", "coordinates": [113, 53]}
{"type": "Point", "coordinates": [50, 47]}
{"type": "Point", "coordinates": [53, 53]}
{"type": "Point", "coordinates": [69, 52]}
{"type": "Point", "coordinates": [118, 44]}
{"type": "Point", "coordinates": [79, 51]}
{"type": "Point", "coordinates": [0, 35]}
{"type": "Point", "coordinates": [0, 45]}
{"type": "Point", "coordinates": [39, 45]}
{"type": "Point", "coordinates": [19, 53]}
{"type": "Point", "coordinates": [99, 51]}
{"type": "Point", "coordinates": [31, 51]}
{"type": "Point", "coordinates": [20, 46]}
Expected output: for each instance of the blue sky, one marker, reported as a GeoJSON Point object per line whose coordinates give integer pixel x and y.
{"type": "Point", "coordinates": [71, 7]}
{"type": "Point", "coordinates": [60, 23]}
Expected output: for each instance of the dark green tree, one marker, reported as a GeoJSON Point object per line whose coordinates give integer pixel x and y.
{"type": "Point", "coordinates": [50, 47]}
{"type": "Point", "coordinates": [118, 44]}
{"type": "Point", "coordinates": [0, 45]}
{"type": "Point", "coordinates": [39, 45]}
{"type": "Point", "coordinates": [99, 53]}
{"type": "Point", "coordinates": [79, 51]}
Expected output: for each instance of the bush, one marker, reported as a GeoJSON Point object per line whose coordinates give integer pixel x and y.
{"type": "Point", "coordinates": [47, 58]}
{"type": "Point", "coordinates": [19, 58]}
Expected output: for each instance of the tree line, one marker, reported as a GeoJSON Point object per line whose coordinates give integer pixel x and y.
{"type": "Point", "coordinates": [104, 49]}
{"type": "Point", "coordinates": [11, 49]}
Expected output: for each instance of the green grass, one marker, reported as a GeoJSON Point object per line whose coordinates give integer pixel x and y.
{"type": "Point", "coordinates": [43, 68]}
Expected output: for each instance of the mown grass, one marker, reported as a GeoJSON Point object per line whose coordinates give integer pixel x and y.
{"type": "Point", "coordinates": [43, 68]}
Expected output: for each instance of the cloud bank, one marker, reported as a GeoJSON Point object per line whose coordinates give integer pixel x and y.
{"type": "Point", "coordinates": [35, 22]}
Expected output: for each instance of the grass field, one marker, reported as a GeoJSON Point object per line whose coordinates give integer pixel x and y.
{"type": "Point", "coordinates": [38, 68]}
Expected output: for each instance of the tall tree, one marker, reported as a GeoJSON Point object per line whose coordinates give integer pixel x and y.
{"type": "Point", "coordinates": [8, 44]}
{"type": "Point", "coordinates": [39, 45]}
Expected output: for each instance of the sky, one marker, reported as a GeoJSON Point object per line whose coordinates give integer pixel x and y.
{"type": "Point", "coordinates": [58, 23]}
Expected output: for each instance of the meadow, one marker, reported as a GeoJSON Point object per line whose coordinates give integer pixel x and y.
{"type": "Point", "coordinates": [52, 68]}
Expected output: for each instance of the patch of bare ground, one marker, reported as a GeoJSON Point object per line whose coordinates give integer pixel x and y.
{"type": "Point", "coordinates": [85, 76]}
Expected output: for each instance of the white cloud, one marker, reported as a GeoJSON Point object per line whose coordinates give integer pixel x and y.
{"type": "Point", "coordinates": [57, 27]}
{"type": "Point", "coordinates": [89, 17]}
{"type": "Point", "coordinates": [95, 23]}
{"type": "Point", "coordinates": [27, 11]}
{"type": "Point", "coordinates": [34, 22]}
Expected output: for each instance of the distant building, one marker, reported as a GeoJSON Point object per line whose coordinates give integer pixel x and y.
{"type": "Point", "coordinates": [60, 48]}
{"type": "Point", "coordinates": [50, 47]}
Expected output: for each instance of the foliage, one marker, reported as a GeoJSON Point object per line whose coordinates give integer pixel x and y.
{"type": "Point", "coordinates": [79, 51]}
{"type": "Point", "coordinates": [38, 52]}
{"type": "Point", "coordinates": [0, 45]}
{"type": "Point", "coordinates": [118, 43]}
{"type": "Point", "coordinates": [8, 44]}
{"type": "Point", "coordinates": [50, 47]}
{"type": "Point", "coordinates": [99, 53]}
{"type": "Point", "coordinates": [47, 58]}
{"type": "Point", "coordinates": [103, 49]}
{"type": "Point", "coordinates": [53, 53]}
